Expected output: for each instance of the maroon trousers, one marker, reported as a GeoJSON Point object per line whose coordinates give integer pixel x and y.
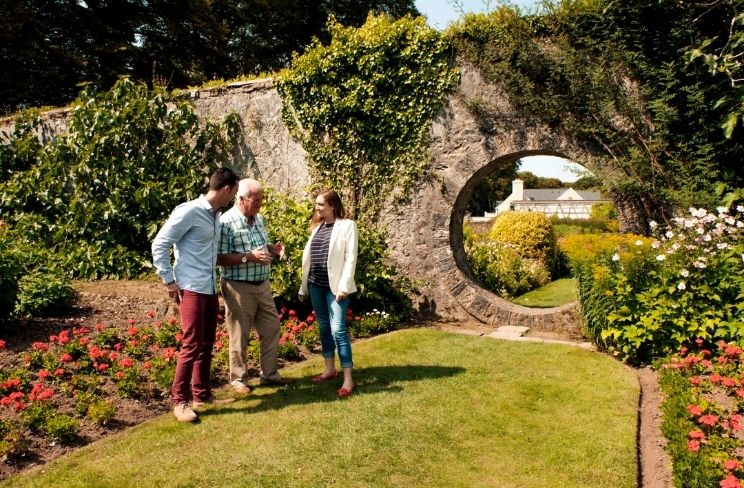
{"type": "Point", "coordinates": [199, 326]}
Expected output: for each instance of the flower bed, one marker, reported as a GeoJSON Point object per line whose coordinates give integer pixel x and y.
{"type": "Point", "coordinates": [703, 419]}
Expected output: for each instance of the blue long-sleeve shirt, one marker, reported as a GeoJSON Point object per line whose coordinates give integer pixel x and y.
{"type": "Point", "coordinates": [193, 230]}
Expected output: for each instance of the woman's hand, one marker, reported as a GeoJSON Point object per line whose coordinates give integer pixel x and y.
{"type": "Point", "coordinates": [301, 297]}
{"type": "Point", "coordinates": [341, 295]}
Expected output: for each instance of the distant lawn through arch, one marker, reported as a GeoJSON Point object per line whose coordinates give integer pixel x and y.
{"type": "Point", "coordinates": [432, 408]}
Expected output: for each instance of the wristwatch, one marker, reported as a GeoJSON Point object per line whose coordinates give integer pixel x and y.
{"type": "Point", "coordinates": [244, 259]}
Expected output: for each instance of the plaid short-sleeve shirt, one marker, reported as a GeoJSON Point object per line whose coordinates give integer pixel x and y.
{"type": "Point", "coordinates": [237, 236]}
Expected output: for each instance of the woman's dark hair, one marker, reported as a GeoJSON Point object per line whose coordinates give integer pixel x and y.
{"type": "Point", "coordinates": [223, 177]}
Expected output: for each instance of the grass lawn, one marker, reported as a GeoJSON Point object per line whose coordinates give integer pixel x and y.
{"type": "Point", "coordinates": [432, 409]}
{"type": "Point", "coordinates": [554, 294]}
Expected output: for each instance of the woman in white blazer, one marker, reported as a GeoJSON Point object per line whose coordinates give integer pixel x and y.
{"type": "Point", "coordinates": [328, 266]}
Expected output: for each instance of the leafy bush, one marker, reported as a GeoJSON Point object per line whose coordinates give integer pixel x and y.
{"type": "Point", "coordinates": [372, 323]}
{"type": "Point", "coordinates": [604, 211]}
{"type": "Point", "coordinates": [101, 412]}
{"type": "Point", "coordinates": [501, 269]}
{"type": "Point", "coordinates": [645, 301]}
{"type": "Point", "coordinates": [98, 193]}
{"type": "Point", "coordinates": [43, 292]}
{"type": "Point", "coordinates": [62, 428]}
{"type": "Point", "coordinates": [10, 271]}
{"type": "Point", "coordinates": [528, 233]}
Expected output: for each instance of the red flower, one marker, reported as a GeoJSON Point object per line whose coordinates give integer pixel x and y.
{"type": "Point", "coordinates": [10, 384]}
{"type": "Point", "coordinates": [730, 481]}
{"type": "Point", "coordinates": [732, 350]}
{"type": "Point", "coordinates": [152, 314]}
{"type": "Point", "coordinates": [133, 331]}
{"type": "Point", "coordinates": [715, 378]}
{"type": "Point", "coordinates": [59, 372]}
{"type": "Point", "coordinates": [740, 393]}
{"type": "Point", "coordinates": [84, 341]}
{"type": "Point", "coordinates": [113, 356]}
{"type": "Point", "coordinates": [43, 374]}
{"type": "Point", "coordinates": [699, 342]}
{"type": "Point", "coordinates": [99, 327]}
{"type": "Point", "coordinates": [728, 382]}
{"type": "Point", "coordinates": [219, 344]}
{"type": "Point", "coordinates": [147, 365]}
{"type": "Point", "coordinates": [695, 380]}
{"type": "Point", "coordinates": [220, 318]}
{"type": "Point", "coordinates": [357, 318]}
{"type": "Point", "coordinates": [179, 336]}
{"type": "Point", "coordinates": [735, 421]}
{"type": "Point", "coordinates": [40, 346]}
{"type": "Point", "coordinates": [118, 346]}
{"type": "Point", "coordinates": [694, 409]}
{"type": "Point", "coordinates": [120, 375]}
{"type": "Point", "coordinates": [709, 420]}
{"type": "Point", "coordinates": [693, 446]}
{"type": "Point", "coordinates": [80, 331]}
{"type": "Point", "coordinates": [66, 358]}
{"type": "Point", "coordinates": [722, 359]}
{"type": "Point", "coordinates": [696, 435]}
{"type": "Point", "coordinates": [706, 353]}
{"type": "Point", "coordinates": [683, 350]}
{"type": "Point", "coordinates": [63, 338]}
{"type": "Point", "coordinates": [2, 344]}
{"type": "Point", "coordinates": [131, 322]}
{"type": "Point", "coordinates": [310, 319]}
{"type": "Point", "coordinates": [126, 363]}
{"type": "Point", "coordinates": [103, 367]}
{"type": "Point", "coordinates": [292, 314]}
{"type": "Point", "coordinates": [173, 321]}
{"type": "Point", "coordinates": [731, 465]}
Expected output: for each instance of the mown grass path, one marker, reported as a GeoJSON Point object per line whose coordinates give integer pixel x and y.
{"type": "Point", "coordinates": [432, 409]}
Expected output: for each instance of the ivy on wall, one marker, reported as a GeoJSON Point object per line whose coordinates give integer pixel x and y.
{"type": "Point", "coordinates": [362, 107]}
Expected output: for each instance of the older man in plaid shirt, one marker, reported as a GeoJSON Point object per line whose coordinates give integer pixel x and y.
{"type": "Point", "coordinates": [245, 255]}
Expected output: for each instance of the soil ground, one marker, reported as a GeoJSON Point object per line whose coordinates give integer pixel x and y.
{"type": "Point", "coordinates": [113, 302]}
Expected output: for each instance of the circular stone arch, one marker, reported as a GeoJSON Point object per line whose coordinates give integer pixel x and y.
{"type": "Point", "coordinates": [426, 234]}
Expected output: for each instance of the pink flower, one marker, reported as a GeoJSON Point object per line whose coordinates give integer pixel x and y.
{"type": "Point", "coordinates": [131, 321]}
{"type": "Point", "coordinates": [43, 374]}
{"type": "Point", "coordinates": [699, 342]}
{"type": "Point", "coordinates": [731, 465]}
{"type": "Point", "coordinates": [99, 327]}
{"type": "Point", "coordinates": [694, 409]}
{"type": "Point", "coordinates": [59, 372]}
{"type": "Point", "coordinates": [147, 365]}
{"type": "Point", "coordinates": [133, 331]}
{"type": "Point", "coordinates": [118, 346]}
{"type": "Point", "coordinates": [152, 314]}
{"type": "Point", "coordinates": [696, 435]}
{"type": "Point", "coordinates": [715, 378]}
{"type": "Point", "coordinates": [120, 375]}
{"type": "Point", "coordinates": [695, 380]}
{"type": "Point", "coordinates": [2, 344]}
{"type": "Point", "coordinates": [730, 481]}
{"type": "Point", "coordinates": [126, 363]}
{"type": "Point", "coordinates": [693, 446]}
{"type": "Point", "coordinates": [103, 367]}
{"type": "Point", "coordinates": [66, 358]}
{"type": "Point", "coordinates": [709, 420]}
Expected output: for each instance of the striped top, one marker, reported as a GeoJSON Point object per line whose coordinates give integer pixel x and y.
{"type": "Point", "coordinates": [236, 235]}
{"type": "Point", "coordinates": [319, 255]}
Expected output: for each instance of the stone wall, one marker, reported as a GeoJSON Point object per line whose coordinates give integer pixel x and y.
{"type": "Point", "coordinates": [426, 235]}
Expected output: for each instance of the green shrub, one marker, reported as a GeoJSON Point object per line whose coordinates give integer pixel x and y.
{"type": "Point", "coordinates": [101, 412]}
{"type": "Point", "coordinates": [62, 428]}
{"type": "Point", "coordinates": [604, 211]}
{"type": "Point", "coordinates": [501, 269]}
{"type": "Point", "coordinates": [43, 292]}
{"type": "Point", "coordinates": [528, 233]}
{"type": "Point", "coordinates": [36, 414]}
{"type": "Point", "coordinates": [372, 323]}
{"type": "Point", "coordinates": [13, 440]}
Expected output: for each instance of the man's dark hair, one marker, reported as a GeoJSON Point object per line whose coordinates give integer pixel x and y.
{"type": "Point", "coordinates": [222, 177]}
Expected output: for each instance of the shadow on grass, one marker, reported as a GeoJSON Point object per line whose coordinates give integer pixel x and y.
{"type": "Point", "coordinates": [378, 379]}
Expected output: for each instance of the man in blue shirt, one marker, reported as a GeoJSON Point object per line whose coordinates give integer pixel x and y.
{"type": "Point", "coordinates": [193, 230]}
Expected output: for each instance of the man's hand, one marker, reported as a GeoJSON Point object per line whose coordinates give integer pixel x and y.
{"type": "Point", "coordinates": [279, 250]}
{"type": "Point", "coordinates": [261, 255]}
{"type": "Point", "coordinates": [174, 292]}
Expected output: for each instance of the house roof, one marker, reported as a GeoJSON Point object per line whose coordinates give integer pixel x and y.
{"type": "Point", "coordinates": [555, 193]}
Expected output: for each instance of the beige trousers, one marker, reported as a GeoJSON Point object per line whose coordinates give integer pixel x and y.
{"type": "Point", "coordinates": [250, 306]}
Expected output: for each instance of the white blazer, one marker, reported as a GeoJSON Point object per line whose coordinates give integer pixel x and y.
{"type": "Point", "coordinates": [342, 257]}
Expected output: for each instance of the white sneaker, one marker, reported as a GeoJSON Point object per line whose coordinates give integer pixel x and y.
{"type": "Point", "coordinates": [184, 413]}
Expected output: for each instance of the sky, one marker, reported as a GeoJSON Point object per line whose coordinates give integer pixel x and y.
{"type": "Point", "coordinates": [439, 14]}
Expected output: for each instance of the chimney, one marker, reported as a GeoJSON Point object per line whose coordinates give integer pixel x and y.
{"type": "Point", "coordinates": [517, 190]}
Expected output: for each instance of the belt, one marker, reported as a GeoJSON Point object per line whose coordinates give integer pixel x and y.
{"type": "Point", "coordinates": [255, 283]}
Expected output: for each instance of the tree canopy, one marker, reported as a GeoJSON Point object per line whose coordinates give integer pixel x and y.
{"type": "Point", "coordinates": [48, 47]}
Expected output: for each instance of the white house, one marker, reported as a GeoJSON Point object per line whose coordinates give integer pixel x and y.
{"type": "Point", "coordinates": [562, 202]}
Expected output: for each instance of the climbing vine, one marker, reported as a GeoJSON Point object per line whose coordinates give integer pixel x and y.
{"type": "Point", "coordinates": [362, 106]}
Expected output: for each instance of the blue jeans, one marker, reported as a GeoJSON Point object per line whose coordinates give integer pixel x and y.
{"type": "Point", "coordinates": [331, 317]}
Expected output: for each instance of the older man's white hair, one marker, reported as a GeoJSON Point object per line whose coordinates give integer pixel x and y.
{"type": "Point", "coordinates": [247, 187]}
